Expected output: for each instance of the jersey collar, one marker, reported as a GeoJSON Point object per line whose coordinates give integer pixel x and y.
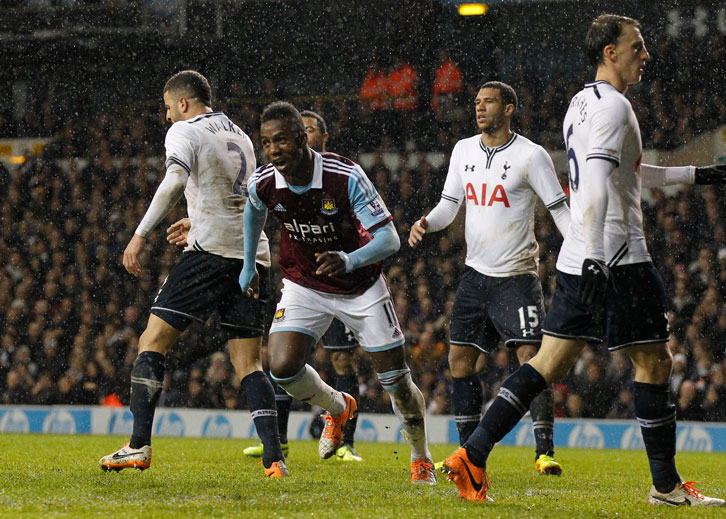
{"type": "Point", "coordinates": [203, 116]}
{"type": "Point", "coordinates": [281, 183]}
{"type": "Point", "coordinates": [488, 150]}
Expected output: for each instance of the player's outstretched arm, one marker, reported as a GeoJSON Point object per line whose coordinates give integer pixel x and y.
{"type": "Point", "coordinates": [254, 223]}
{"type": "Point", "coordinates": [418, 229]}
{"type": "Point", "coordinates": [658, 176]}
{"type": "Point", "coordinates": [177, 233]}
{"type": "Point", "coordinates": [384, 243]}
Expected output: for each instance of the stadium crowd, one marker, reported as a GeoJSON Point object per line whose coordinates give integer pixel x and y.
{"type": "Point", "coordinates": [70, 315]}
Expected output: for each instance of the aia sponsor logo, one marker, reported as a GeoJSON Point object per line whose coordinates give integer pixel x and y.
{"type": "Point", "coordinates": [479, 196]}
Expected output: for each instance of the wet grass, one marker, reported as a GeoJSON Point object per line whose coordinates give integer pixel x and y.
{"type": "Point", "coordinates": [58, 476]}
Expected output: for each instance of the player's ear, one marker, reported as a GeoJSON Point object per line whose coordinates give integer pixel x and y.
{"type": "Point", "coordinates": [303, 139]}
{"type": "Point", "coordinates": [609, 52]}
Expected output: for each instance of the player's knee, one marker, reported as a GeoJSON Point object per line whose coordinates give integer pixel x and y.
{"type": "Point", "coordinates": [154, 341]}
{"type": "Point", "coordinates": [526, 352]}
{"type": "Point", "coordinates": [461, 366]}
{"type": "Point", "coordinates": [284, 368]}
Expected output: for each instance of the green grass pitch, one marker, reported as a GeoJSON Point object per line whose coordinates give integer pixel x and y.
{"type": "Point", "coordinates": [58, 476]}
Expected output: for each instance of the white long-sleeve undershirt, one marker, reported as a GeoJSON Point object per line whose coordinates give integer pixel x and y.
{"type": "Point", "coordinates": [657, 176]}
{"type": "Point", "coordinates": [594, 189]}
{"type": "Point", "coordinates": [166, 197]}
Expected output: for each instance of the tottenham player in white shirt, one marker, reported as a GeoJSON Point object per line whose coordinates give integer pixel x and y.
{"type": "Point", "coordinates": [605, 277]}
{"type": "Point", "coordinates": [498, 175]}
{"type": "Point", "coordinates": [208, 160]}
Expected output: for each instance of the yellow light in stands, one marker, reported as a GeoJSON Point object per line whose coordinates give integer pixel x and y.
{"type": "Point", "coordinates": [473, 9]}
{"type": "Point", "coordinates": [17, 159]}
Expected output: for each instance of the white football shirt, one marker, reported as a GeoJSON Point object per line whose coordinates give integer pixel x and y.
{"type": "Point", "coordinates": [219, 158]}
{"type": "Point", "coordinates": [499, 186]}
{"type": "Point", "coordinates": [600, 124]}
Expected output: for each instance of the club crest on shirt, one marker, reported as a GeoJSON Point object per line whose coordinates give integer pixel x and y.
{"type": "Point", "coordinates": [506, 167]}
{"type": "Point", "coordinates": [329, 206]}
{"type": "Point", "coordinates": [279, 315]}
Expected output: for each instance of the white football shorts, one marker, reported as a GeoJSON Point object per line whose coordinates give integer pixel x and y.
{"type": "Point", "coordinates": [370, 315]}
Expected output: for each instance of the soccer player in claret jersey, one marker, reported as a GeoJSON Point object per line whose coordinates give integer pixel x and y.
{"type": "Point", "coordinates": [498, 174]}
{"type": "Point", "coordinates": [208, 159]}
{"type": "Point", "coordinates": [339, 340]}
{"type": "Point", "coordinates": [335, 231]}
{"type": "Point", "coordinates": [605, 277]}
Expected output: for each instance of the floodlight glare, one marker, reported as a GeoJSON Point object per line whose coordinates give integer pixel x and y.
{"type": "Point", "coordinates": [473, 9]}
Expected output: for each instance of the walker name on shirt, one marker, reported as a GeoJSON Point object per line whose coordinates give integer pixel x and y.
{"type": "Point", "coordinates": [498, 195]}
{"type": "Point", "coordinates": [310, 233]}
{"type": "Point", "coordinates": [222, 126]}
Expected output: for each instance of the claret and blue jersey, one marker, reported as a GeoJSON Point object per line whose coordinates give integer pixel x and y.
{"type": "Point", "coordinates": [338, 211]}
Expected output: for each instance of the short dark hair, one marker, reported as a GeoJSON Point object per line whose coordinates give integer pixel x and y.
{"type": "Point", "coordinates": [605, 30]}
{"type": "Point", "coordinates": [509, 96]}
{"type": "Point", "coordinates": [192, 84]}
{"type": "Point", "coordinates": [283, 110]}
{"type": "Point", "coordinates": [319, 118]}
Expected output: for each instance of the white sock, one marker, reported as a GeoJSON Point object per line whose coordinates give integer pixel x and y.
{"type": "Point", "coordinates": [307, 386]}
{"type": "Point", "coordinates": [410, 407]}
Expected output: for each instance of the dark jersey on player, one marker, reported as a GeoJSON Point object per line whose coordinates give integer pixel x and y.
{"type": "Point", "coordinates": [337, 212]}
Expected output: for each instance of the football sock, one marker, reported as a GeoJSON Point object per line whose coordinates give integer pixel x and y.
{"type": "Point", "coordinates": [261, 401]}
{"type": "Point", "coordinates": [656, 415]}
{"type": "Point", "coordinates": [307, 386]}
{"type": "Point", "coordinates": [410, 407]}
{"type": "Point", "coordinates": [283, 401]}
{"type": "Point", "coordinates": [543, 422]}
{"type": "Point", "coordinates": [515, 397]}
{"type": "Point", "coordinates": [348, 383]}
{"type": "Point", "coordinates": [467, 399]}
{"type": "Point", "coordinates": [147, 377]}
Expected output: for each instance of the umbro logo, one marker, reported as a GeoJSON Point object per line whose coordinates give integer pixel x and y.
{"type": "Point", "coordinates": [469, 167]}
{"type": "Point", "coordinates": [280, 207]}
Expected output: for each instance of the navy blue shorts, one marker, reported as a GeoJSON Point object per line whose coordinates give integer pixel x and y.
{"type": "Point", "coordinates": [339, 337]}
{"type": "Point", "coordinates": [635, 309]}
{"type": "Point", "coordinates": [490, 309]}
{"type": "Point", "coordinates": [200, 283]}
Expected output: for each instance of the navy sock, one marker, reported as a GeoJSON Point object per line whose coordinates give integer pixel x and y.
{"type": "Point", "coordinates": [467, 400]}
{"type": "Point", "coordinates": [657, 418]}
{"type": "Point", "coordinates": [515, 397]}
{"type": "Point", "coordinates": [261, 401]}
{"type": "Point", "coordinates": [543, 422]}
{"type": "Point", "coordinates": [349, 384]}
{"type": "Point", "coordinates": [283, 401]}
{"type": "Point", "coordinates": [147, 378]}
